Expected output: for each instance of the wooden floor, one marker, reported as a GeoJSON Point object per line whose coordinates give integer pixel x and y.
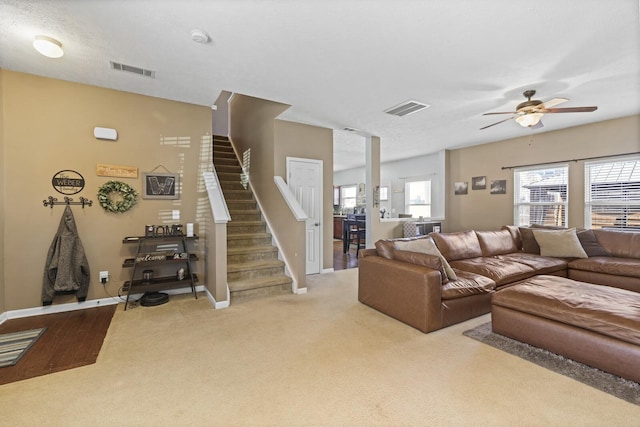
{"type": "Point", "coordinates": [72, 339]}
{"type": "Point", "coordinates": [342, 261]}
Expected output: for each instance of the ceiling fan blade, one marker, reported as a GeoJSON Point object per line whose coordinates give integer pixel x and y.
{"type": "Point", "coordinates": [497, 123]}
{"type": "Point", "coordinates": [553, 102]}
{"type": "Point", "coordinates": [500, 112]}
{"type": "Point", "coordinates": [571, 110]}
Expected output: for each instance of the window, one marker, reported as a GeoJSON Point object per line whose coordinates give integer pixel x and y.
{"type": "Point", "coordinates": [418, 198]}
{"type": "Point", "coordinates": [612, 193]}
{"type": "Point", "coordinates": [540, 195]}
{"type": "Point", "coordinates": [348, 196]}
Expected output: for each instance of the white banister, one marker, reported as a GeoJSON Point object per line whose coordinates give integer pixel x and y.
{"type": "Point", "coordinates": [288, 196]}
{"type": "Point", "coordinates": [216, 199]}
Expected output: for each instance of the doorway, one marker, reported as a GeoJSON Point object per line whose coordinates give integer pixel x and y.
{"type": "Point", "coordinates": [305, 181]}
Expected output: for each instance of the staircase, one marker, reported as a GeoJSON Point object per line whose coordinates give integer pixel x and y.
{"type": "Point", "coordinates": [253, 268]}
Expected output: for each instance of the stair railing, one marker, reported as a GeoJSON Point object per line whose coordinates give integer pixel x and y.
{"type": "Point", "coordinates": [216, 262]}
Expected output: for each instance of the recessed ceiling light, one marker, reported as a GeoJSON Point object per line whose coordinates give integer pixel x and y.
{"type": "Point", "coordinates": [199, 36]}
{"type": "Point", "coordinates": [48, 46]}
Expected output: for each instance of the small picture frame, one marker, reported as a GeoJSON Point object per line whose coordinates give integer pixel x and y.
{"type": "Point", "coordinates": [479, 183]}
{"type": "Point", "coordinates": [157, 185]}
{"type": "Point", "coordinates": [461, 187]}
{"type": "Point", "coordinates": [499, 186]}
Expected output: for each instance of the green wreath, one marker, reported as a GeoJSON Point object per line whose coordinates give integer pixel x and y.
{"type": "Point", "coordinates": [128, 195]}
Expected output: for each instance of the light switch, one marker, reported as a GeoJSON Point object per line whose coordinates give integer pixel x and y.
{"type": "Point", "coordinates": [175, 214]}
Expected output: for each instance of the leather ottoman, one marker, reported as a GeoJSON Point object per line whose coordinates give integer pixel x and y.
{"type": "Point", "coordinates": [593, 324]}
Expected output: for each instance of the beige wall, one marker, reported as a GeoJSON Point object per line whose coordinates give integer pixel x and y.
{"type": "Point", "coordinates": [48, 127]}
{"type": "Point", "coordinates": [310, 142]}
{"type": "Point", "coordinates": [482, 211]}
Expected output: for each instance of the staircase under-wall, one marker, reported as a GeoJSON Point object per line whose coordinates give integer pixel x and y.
{"type": "Point", "coordinates": [253, 267]}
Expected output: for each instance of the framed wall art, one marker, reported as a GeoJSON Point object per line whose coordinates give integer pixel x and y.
{"type": "Point", "coordinates": [460, 187]}
{"type": "Point", "coordinates": [499, 186]}
{"type": "Point", "coordinates": [478, 182]}
{"type": "Point", "coordinates": [157, 185]}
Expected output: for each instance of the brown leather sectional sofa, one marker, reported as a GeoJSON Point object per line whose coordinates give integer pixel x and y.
{"type": "Point", "coordinates": [415, 289]}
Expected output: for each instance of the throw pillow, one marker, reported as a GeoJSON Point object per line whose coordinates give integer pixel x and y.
{"type": "Point", "coordinates": [559, 243]}
{"type": "Point", "coordinates": [590, 244]}
{"type": "Point", "coordinates": [426, 246]}
{"type": "Point", "coordinates": [433, 262]}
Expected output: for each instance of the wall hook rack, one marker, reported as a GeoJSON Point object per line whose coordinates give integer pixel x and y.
{"type": "Point", "coordinates": [67, 201]}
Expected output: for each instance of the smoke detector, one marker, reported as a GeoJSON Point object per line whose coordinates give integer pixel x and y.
{"type": "Point", "coordinates": [199, 36]}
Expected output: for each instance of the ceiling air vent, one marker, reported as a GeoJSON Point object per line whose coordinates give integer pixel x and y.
{"type": "Point", "coordinates": [131, 69]}
{"type": "Point", "coordinates": [406, 108]}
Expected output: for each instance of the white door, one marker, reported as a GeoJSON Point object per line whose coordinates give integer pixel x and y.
{"type": "Point", "coordinates": [305, 181]}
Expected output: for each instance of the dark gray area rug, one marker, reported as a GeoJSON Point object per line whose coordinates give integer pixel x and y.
{"type": "Point", "coordinates": [604, 381]}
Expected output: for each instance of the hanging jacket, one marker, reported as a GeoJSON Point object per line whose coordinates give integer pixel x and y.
{"type": "Point", "coordinates": [66, 269]}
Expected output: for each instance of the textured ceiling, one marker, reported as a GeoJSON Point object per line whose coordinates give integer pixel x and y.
{"type": "Point", "coordinates": [342, 63]}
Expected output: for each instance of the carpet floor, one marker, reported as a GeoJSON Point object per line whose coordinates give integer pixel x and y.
{"type": "Point", "coordinates": [604, 381]}
{"type": "Point", "coordinates": [318, 359]}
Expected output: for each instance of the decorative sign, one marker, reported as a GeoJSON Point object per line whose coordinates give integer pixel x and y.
{"type": "Point", "coordinates": [154, 256]}
{"type": "Point", "coordinates": [116, 171]}
{"type": "Point", "coordinates": [68, 182]}
{"type": "Point", "coordinates": [160, 185]}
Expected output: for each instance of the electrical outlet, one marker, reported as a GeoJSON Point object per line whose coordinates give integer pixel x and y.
{"type": "Point", "coordinates": [104, 276]}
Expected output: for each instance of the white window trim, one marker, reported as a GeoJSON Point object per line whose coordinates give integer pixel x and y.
{"type": "Point", "coordinates": [588, 204]}
{"type": "Point", "coordinates": [516, 191]}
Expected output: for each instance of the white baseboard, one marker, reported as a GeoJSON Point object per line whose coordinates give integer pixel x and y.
{"type": "Point", "coordinates": [300, 291]}
{"type": "Point", "coordinates": [327, 270]}
{"type": "Point", "coordinates": [55, 308]}
{"type": "Point", "coordinates": [216, 304]}
{"type": "Point", "coordinates": [60, 308]}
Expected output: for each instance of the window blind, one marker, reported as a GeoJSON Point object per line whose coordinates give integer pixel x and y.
{"type": "Point", "coordinates": [612, 193]}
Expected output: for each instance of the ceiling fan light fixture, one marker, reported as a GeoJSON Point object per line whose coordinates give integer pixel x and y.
{"type": "Point", "coordinates": [47, 46]}
{"type": "Point", "coordinates": [529, 120]}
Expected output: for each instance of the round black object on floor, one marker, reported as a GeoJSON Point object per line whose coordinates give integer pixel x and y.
{"type": "Point", "coordinates": [150, 299]}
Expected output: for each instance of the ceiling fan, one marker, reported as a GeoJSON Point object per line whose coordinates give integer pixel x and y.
{"type": "Point", "coordinates": [529, 113]}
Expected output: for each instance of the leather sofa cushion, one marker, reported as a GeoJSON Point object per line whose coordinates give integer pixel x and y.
{"type": "Point", "coordinates": [385, 248]}
{"type": "Point", "coordinates": [467, 284]}
{"type": "Point", "coordinates": [433, 262]}
{"type": "Point", "coordinates": [498, 242]}
{"type": "Point", "coordinates": [609, 311]}
{"type": "Point", "coordinates": [501, 271]}
{"type": "Point", "coordinates": [590, 244]}
{"type": "Point", "coordinates": [529, 244]}
{"type": "Point", "coordinates": [425, 245]}
{"type": "Point", "coordinates": [541, 264]}
{"type": "Point", "coordinates": [624, 244]}
{"type": "Point", "coordinates": [459, 245]}
{"type": "Point", "coordinates": [515, 234]}
{"type": "Point", "coordinates": [629, 267]}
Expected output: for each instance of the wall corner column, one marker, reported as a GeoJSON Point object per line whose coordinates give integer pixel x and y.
{"type": "Point", "coordinates": [372, 186]}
